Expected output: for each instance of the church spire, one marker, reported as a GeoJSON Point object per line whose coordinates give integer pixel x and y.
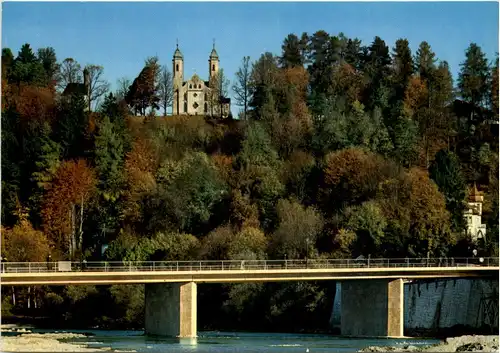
{"type": "Point", "coordinates": [213, 54]}
{"type": "Point", "coordinates": [177, 53]}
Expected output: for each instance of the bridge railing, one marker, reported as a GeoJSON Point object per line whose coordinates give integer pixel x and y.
{"type": "Point", "coordinates": [243, 265]}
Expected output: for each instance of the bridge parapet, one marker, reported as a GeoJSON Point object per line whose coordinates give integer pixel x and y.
{"type": "Point", "coordinates": [248, 265]}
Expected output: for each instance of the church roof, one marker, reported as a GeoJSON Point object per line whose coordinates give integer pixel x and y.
{"type": "Point", "coordinates": [75, 88]}
{"type": "Point", "coordinates": [213, 54]}
{"type": "Point", "coordinates": [475, 195]}
{"type": "Point", "coordinates": [178, 54]}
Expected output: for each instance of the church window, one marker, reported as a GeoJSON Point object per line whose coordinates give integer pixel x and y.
{"type": "Point", "coordinates": [195, 95]}
{"type": "Point", "coordinates": [199, 86]}
{"type": "Point", "coordinates": [177, 67]}
{"type": "Point", "coordinates": [206, 107]}
{"type": "Point", "coordinates": [213, 67]}
{"type": "Point", "coordinates": [195, 105]}
{"type": "Point", "coordinates": [190, 86]}
{"type": "Point", "coordinates": [185, 107]}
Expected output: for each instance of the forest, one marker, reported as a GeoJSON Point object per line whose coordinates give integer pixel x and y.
{"type": "Point", "coordinates": [340, 149]}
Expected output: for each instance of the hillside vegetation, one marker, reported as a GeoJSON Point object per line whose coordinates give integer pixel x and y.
{"type": "Point", "coordinates": [341, 149]}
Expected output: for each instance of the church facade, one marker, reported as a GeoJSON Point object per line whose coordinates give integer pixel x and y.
{"type": "Point", "coordinates": [196, 96]}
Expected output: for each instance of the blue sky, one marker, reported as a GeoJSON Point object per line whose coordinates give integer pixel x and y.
{"type": "Point", "coordinates": [119, 36]}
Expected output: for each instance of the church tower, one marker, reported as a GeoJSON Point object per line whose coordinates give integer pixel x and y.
{"type": "Point", "coordinates": [213, 63]}
{"type": "Point", "coordinates": [178, 70]}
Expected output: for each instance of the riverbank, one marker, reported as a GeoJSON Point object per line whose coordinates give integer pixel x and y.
{"type": "Point", "coordinates": [27, 341]}
{"type": "Point", "coordinates": [451, 344]}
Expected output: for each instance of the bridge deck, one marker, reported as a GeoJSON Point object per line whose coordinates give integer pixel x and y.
{"type": "Point", "coordinates": [61, 273]}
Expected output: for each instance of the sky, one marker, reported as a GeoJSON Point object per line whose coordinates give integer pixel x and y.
{"type": "Point", "coordinates": [120, 35]}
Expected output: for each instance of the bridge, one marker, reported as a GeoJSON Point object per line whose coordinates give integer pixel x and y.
{"type": "Point", "coordinates": [171, 286]}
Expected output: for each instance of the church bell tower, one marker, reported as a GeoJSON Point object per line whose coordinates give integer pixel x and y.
{"type": "Point", "coordinates": [213, 62]}
{"type": "Point", "coordinates": [178, 70]}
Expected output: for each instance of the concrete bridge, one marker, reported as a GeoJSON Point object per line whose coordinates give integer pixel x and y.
{"type": "Point", "coordinates": [372, 290]}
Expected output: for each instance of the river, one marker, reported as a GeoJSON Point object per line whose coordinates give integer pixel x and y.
{"type": "Point", "coordinates": [211, 341]}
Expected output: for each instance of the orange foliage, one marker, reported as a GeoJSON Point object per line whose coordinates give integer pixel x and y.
{"type": "Point", "coordinates": [414, 200]}
{"type": "Point", "coordinates": [224, 165]}
{"type": "Point", "coordinates": [348, 82]}
{"type": "Point", "coordinates": [35, 103]}
{"type": "Point", "coordinates": [244, 213]}
{"type": "Point", "coordinates": [73, 184]}
{"type": "Point", "coordinates": [140, 168]}
{"type": "Point", "coordinates": [356, 172]}
{"type": "Point", "coordinates": [297, 79]}
{"type": "Point", "coordinates": [416, 95]}
{"type": "Point", "coordinates": [22, 243]}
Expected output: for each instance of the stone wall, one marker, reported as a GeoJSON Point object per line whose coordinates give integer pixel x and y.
{"type": "Point", "coordinates": [443, 304]}
{"type": "Point", "coordinates": [434, 305]}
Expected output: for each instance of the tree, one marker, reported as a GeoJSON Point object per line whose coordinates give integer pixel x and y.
{"type": "Point", "coordinates": [71, 188]}
{"type": "Point", "coordinates": [352, 176]}
{"type": "Point", "coordinates": [447, 174]}
{"type": "Point", "coordinates": [473, 78]}
{"type": "Point", "coordinates": [165, 89]}
{"type": "Point", "coordinates": [368, 222]}
{"type": "Point", "coordinates": [71, 126]}
{"type": "Point", "coordinates": [123, 85]}
{"type": "Point", "coordinates": [377, 69]}
{"type": "Point", "coordinates": [98, 86]}
{"type": "Point", "coordinates": [297, 231]}
{"type": "Point", "coordinates": [109, 159]}
{"type": "Point", "coordinates": [292, 52]}
{"type": "Point", "coordinates": [494, 89]}
{"type": "Point", "coordinates": [186, 196]}
{"type": "Point", "coordinates": [425, 61]}
{"type": "Point", "coordinates": [241, 86]}
{"type": "Point", "coordinates": [70, 72]}
{"type": "Point", "coordinates": [22, 243]}
{"type": "Point", "coordinates": [143, 93]}
{"type": "Point", "coordinates": [48, 59]}
{"type": "Point", "coordinates": [418, 222]}
{"type": "Point", "coordinates": [27, 68]}
{"type": "Point", "coordinates": [219, 87]}
{"type": "Point", "coordinates": [262, 81]}
{"type": "Point", "coordinates": [402, 68]}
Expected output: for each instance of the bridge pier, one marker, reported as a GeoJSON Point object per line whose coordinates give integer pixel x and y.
{"type": "Point", "coordinates": [170, 309]}
{"type": "Point", "coordinates": [372, 308]}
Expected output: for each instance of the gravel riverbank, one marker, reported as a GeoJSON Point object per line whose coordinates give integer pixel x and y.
{"type": "Point", "coordinates": [452, 344]}
{"type": "Point", "coordinates": [28, 341]}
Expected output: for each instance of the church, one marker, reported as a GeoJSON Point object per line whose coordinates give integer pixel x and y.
{"type": "Point", "coordinates": [195, 96]}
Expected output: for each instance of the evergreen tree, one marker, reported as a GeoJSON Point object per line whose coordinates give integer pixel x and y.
{"type": "Point", "coordinates": [292, 50]}
{"type": "Point", "coordinates": [402, 69]}
{"type": "Point", "coordinates": [425, 61]}
{"type": "Point", "coordinates": [447, 174]}
{"type": "Point", "coordinates": [473, 80]}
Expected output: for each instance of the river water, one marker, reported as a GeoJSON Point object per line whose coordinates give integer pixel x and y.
{"type": "Point", "coordinates": [236, 342]}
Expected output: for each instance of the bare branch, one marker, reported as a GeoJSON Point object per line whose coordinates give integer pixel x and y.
{"type": "Point", "coordinates": [98, 86]}
{"type": "Point", "coordinates": [165, 89]}
{"type": "Point", "coordinates": [241, 87]}
{"type": "Point", "coordinates": [70, 72]}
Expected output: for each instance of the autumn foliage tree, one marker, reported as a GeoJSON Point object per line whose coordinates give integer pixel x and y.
{"type": "Point", "coordinates": [65, 204]}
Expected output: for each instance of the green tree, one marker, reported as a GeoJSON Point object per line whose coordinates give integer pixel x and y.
{"type": "Point", "coordinates": [446, 172]}
{"type": "Point", "coordinates": [368, 222]}
{"type": "Point", "coordinates": [27, 68]}
{"type": "Point", "coordinates": [292, 50]}
{"type": "Point", "coordinates": [48, 59]}
{"type": "Point", "coordinates": [297, 232]}
{"type": "Point", "coordinates": [402, 70]}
